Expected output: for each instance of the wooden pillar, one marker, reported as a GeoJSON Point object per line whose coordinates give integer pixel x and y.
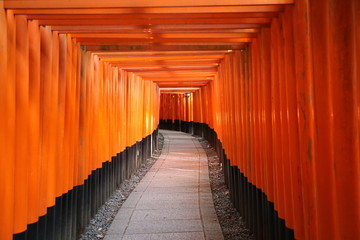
{"type": "Point", "coordinates": [34, 121]}
{"type": "Point", "coordinates": [21, 125]}
{"type": "Point", "coordinates": [7, 121]}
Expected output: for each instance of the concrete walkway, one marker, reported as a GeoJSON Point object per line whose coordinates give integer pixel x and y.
{"type": "Point", "coordinates": [173, 201]}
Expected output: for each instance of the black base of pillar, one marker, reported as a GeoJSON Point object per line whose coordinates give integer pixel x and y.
{"type": "Point", "coordinates": [73, 210]}
{"type": "Point", "coordinates": [250, 201]}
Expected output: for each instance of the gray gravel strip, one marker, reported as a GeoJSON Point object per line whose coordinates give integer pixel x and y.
{"type": "Point", "coordinates": [232, 224]}
{"type": "Point", "coordinates": [101, 222]}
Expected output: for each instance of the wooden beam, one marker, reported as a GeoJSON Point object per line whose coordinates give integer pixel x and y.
{"type": "Point", "coordinates": [162, 58]}
{"type": "Point", "coordinates": [248, 27]}
{"type": "Point", "coordinates": [165, 35]}
{"type": "Point", "coordinates": [202, 69]}
{"type": "Point", "coordinates": [182, 85]}
{"type": "Point", "coordinates": [186, 72]}
{"type": "Point", "coordinates": [153, 10]}
{"type": "Point", "coordinates": [106, 41]}
{"type": "Point", "coordinates": [149, 65]}
{"type": "Point", "coordinates": [157, 54]}
{"type": "Point", "coordinates": [190, 84]}
{"type": "Point", "coordinates": [175, 75]}
{"type": "Point", "coordinates": [147, 23]}
{"type": "Point", "coordinates": [170, 80]}
{"type": "Point", "coordinates": [135, 29]}
{"type": "Point", "coordinates": [134, 3]}
{"type": "Point", "coordinates": [179, 90]}
{"type": "Point", "coordinates": [149, 47]}
{"type": "Point", "coordinates": [151, 16]}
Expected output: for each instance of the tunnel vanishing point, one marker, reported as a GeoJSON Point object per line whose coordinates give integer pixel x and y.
{"type": "Point", "coordinates": [273, 85]}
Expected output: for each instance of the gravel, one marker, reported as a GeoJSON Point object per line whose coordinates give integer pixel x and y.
{"type": "Point", "coordinates": [101, 222]}
{"type": "Point", "coordinates": [232, 224]}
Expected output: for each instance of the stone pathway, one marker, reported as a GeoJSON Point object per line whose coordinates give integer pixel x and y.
{"type": "Point", "coordinates": [174, 200]}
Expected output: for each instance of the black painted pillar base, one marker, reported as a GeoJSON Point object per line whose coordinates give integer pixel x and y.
{"type": "Point", "coordinates": [250, 201]}
{"type": "Point", "coordinates": [73, 210]}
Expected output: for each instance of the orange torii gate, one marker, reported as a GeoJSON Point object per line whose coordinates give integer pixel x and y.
{"type": "Point", "coordinates": [273, 84]}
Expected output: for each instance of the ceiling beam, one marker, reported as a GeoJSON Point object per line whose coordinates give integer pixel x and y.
{"type": "Point", "coordinates": [106, 41]}
{"type": "Point", "coordinates": [171, 68]}
{"type": "Point", "coordinates": [156, 28]}
{"type": "Point", "coordinates": [158, 54]}
{"type": "Point", "coordinates": [165, 35]}
{"type": "Point", "coordinates": [134, 3]}
{"type": "Point", "coordinates": [181, 85]}
{"type": "Point", "coordinates": [149, 47]}
{"type": "Point", "coordinates": [129, 34]}
{"type": "Point", "coordinates": [147, 23]}
{"type": "Point", "coordinates": [178, 73]}
{"type": "Point", "coordinates": [180, 90]}
{"type": "Point", "coordinates": [152, 66]}
{"type": "Point", "coordinates": [61, 29]}
{"type": "Point", "coordinates": [151, 16]}
{"type": "Point", "coordinates": [162, 58]}
{"type": "Point", "coordinates": [175, 80]}
{"type": "Point", "coordinates": [153, 10]}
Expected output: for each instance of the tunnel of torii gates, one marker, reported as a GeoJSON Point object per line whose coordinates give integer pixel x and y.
{"type": "Point", "coordinates": [273, 85]}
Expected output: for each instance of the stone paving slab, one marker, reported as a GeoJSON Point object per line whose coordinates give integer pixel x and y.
{"type": "Point", "coordinates": [166, 236]}
{"type": "Point", "coordinates": [164, 226]}
{"type": "Point", "coordinates": [173, 201]}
